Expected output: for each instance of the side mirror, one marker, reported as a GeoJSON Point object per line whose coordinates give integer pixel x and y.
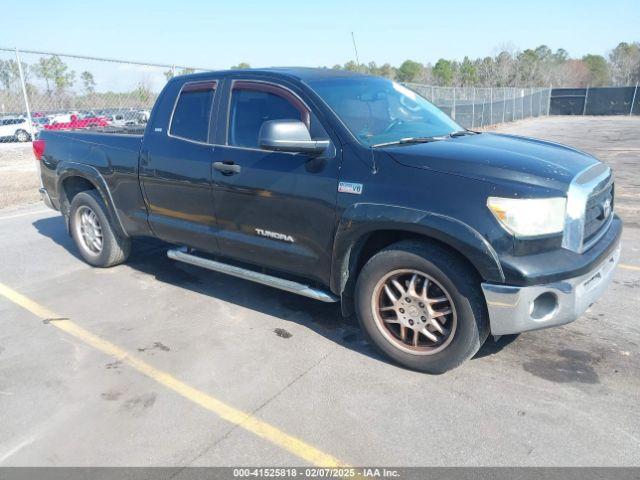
{"type": "Point", "coordinates": [289, 136]}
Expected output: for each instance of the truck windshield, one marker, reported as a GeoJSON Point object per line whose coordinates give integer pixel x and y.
{"type": "Point", "coordinates": [380, 111]}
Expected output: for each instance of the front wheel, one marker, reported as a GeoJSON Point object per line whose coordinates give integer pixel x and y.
{"type": "Point", "coordinates": [421, 305]}
{"type": "Point", "coordinates": [98, 242]}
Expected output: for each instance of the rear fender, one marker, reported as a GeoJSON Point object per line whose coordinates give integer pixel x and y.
{"type": "Point", "coordinates": [72, 169]}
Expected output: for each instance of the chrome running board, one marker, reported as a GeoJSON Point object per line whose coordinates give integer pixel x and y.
{"type": "Point", "coordinates": [181, 255]}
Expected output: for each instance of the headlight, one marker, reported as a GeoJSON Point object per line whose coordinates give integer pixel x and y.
{"type": "Point", "coordinates": [529, 217]}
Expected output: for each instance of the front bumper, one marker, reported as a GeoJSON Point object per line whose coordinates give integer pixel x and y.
{"type": "Point", "coordinates": [519, 309]}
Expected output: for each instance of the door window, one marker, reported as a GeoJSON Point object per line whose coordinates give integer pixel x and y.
{"type": "Point", "coordinates": [254, 103]}
{"type": "Point", "coordinates": [192, 112]}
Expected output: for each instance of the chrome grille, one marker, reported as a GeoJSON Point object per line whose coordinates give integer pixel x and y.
{"type": "Point", "coordinates": [584, 222]}
{"type": "Point", "coordinates": [597, 214]}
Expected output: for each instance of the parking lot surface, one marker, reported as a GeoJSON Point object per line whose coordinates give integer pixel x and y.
{"type": "Point", "coordinates": [160, 363]}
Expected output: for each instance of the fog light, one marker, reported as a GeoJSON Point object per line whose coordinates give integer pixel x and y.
{"type": "Point", "coordinates": [544, 306]}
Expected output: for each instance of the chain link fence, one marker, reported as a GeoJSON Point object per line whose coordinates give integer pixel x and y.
{"type": "Point", "coordinates": [62, 91]}
{"type": "Point", "coordinates": [477, 107]}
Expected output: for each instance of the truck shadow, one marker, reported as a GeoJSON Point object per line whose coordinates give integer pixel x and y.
{"type": "Point", "coordinates": [148, 256]}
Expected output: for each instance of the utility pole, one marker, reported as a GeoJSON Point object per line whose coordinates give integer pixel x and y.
{"type": "Point", "coordinates": [355, 48]}
{"type": "Point", "coordinates": [24, 92]}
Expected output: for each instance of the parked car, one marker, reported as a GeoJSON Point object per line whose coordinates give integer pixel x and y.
{"type": "Point", "coordinates": [346, 187]}
{"type": "Point", "coordinates": [19, 129]}
{"type": "Point", "coordinates": [143, 116]}
{"type": "Point", "coordinates": [75, 123]}
{"type": "Point", "coordinates": [61, 117]}
{"type": "Point", "coordinates": [41, 121]}
{"type": "Point", "coordinates": [122, 119]}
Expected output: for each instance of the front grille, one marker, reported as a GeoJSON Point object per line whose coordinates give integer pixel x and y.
{"type": "Point", "coordinates": [596, 213]}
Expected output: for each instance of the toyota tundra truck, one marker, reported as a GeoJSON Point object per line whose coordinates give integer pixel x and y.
{"type": "Point", "coordinates": [348, 188]}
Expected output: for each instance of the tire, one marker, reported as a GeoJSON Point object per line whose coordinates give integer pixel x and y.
{"type": "Point", "coordinates": [451, 285]}
{"type": "Point", "coordinates": [22, 136]}
{"type": "Point", "coordinates": [101, 246]}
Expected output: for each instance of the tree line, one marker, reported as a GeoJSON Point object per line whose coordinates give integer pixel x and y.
{"type": "Point", "coordinates": [56, 75]}
{"type": "Point", "coordinates": [58, 80]}
{"type": "Point", "coordinates": [537, 67]}
{"type": "Point", "coordinates": [533, 67]}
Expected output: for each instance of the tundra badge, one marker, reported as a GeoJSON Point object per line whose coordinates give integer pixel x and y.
{"type": "Point", "coordinates": [346, 187]}
{"type": "Point", "coordinates": [278, 236]}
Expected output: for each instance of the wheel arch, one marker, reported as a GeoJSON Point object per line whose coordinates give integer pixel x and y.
{"type": "Point", "coordinates": [365, 229]}
{"type": "Point", "coordinates": [73, 178]}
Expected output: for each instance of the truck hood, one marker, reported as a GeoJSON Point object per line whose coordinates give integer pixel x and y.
{"type": "Point", "coordinates": [495, 157]}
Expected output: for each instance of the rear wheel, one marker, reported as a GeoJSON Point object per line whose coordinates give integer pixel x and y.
{"type": "Point", "coordinates": [421, 304]}
{"type": "Point", "coordinates": [98, 242]}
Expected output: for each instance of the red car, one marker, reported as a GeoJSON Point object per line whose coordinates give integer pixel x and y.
{"type": "Point", "coordinates": [76, 123]}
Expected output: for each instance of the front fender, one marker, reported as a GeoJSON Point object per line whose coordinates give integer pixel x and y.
{"type": "Point", "coordinates": [69, 169]}
{"type": "Point", "coordinates": [362, 219]}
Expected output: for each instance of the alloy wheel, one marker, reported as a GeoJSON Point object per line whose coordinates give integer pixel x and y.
{"type": "Point", "coordinates": [414, 312]}
{"type": "Point", "coordinates": [89, 230]}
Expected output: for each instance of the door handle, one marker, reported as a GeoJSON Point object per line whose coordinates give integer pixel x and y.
{"type": "Point", "coordinates": [227, 168]}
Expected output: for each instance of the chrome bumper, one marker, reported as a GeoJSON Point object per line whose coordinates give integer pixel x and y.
{"type": "Point", "coordinates": [46, 198]}
{"type": "Point", "coordinates": [518, 309]}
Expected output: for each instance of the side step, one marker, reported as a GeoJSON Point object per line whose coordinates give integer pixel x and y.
{"type": "Point", "coordinates": [182, 255]}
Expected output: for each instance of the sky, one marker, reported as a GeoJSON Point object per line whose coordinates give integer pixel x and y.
{"type": "Point", "coordinates": [306, 33]}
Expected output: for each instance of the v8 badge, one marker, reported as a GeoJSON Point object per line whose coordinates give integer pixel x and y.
{"type": "Point", "coordinates": [347, 187]}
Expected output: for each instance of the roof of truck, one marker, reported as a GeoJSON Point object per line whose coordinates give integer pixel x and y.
{"type": "Point", "coordinates": [300, 73]}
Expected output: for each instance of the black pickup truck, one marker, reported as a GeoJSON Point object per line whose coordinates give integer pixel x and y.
{"type": "Point", "coordinates": [346, 187]}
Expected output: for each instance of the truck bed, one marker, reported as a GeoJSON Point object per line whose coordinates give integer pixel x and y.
{"type": "Point", "coordinates": [110, 157]}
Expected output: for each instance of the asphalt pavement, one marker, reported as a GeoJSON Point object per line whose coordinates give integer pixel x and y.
{"type": "Point", "coordinates": [160, 363]}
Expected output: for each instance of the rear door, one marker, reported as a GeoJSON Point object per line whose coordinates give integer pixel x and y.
{"type": "Point", "coordinates": [175, 168]}
{"type": "Point", "coordinates": [274, 209]}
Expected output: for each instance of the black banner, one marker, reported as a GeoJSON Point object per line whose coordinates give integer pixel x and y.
{"type": "Point", "coordinates": [595, 101]}
{"type": "Point", "coordinates": [396, 473]}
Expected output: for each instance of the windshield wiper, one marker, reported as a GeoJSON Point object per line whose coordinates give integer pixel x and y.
{"type": "Point", "coordinates": [462, 133]}
{"type": "Point", "coordinates": [407, 140]}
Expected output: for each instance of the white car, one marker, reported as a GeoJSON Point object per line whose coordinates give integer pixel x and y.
{"type": "Point", "coordinates": [19, 129]}
{"type": "Point", "coordinates": [143, 116]}
{"type": "Point", "coordinates": [62, 117]}
{"type": "Point", "coordinates": [122, 119]}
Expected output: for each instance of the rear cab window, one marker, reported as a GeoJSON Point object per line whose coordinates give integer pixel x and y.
{"type": "Point", "coordinates": [192, 112]}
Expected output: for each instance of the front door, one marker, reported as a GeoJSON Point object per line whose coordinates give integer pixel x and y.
{"type": "Point", "coordinates": [175, 168]}
{"type": "Point", "coordinates": [273, 209]}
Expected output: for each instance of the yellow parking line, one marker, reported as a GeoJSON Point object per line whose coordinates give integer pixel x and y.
{"type": "Point", "coordinates": [629, 267]}
{"type": "Point", "coordinates": [244, 420]}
